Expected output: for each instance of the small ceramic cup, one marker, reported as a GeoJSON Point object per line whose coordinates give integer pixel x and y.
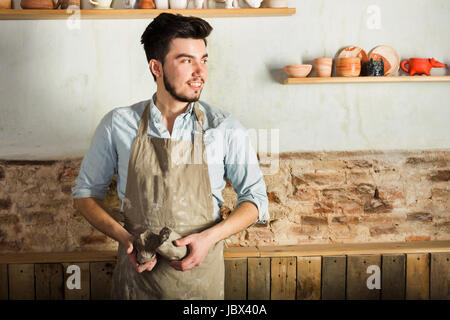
{"type": "Point", "coordinates": [323, 66]}
{"type": "Point", "coordinates": [348, 67]}
{"type": "Point", "coordinates": [162, 4]}
{"type": "Point", "coordinates": [178, 4]}
{"type": "Point", "coordinates": [101, 4]}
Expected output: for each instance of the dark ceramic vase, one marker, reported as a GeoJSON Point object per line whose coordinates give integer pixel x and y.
{"type": "Point", "coordinates": [375, 67]}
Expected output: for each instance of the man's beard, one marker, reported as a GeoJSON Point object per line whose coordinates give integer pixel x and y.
{"type": "Point", "coordinates": [172, 92]}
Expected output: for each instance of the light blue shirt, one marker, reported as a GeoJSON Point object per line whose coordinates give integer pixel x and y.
{"type": "Point", "coordinates": [228, 148]}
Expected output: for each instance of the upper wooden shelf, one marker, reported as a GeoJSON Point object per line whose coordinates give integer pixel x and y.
{"type": "Point", "coordinates": [58, 14]}
{"type": "Point", "coordinates": [367, 79]}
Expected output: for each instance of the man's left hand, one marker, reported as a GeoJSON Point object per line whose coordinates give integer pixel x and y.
{"type": "Point", "coordinates": [198, 246]}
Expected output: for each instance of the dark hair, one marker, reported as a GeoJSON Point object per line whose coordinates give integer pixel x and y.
{"type": "Point", "coordinates": [165, 27]}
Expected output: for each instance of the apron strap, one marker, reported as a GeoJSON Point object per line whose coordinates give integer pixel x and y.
{"type": "Point", "coordinates": [143, 124]}
{"type": "Point", "coordinates": [198, 135]}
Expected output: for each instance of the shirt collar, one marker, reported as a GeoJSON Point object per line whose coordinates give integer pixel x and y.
{"type": "Point", "coordinates": [156, 114]}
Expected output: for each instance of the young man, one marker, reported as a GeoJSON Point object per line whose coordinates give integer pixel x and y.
{"type": "Point", "coordinates": [172, 154]}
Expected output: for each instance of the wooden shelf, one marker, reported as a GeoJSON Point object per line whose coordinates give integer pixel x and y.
{"type": "Point", "coordinates": [367, 79]}
{"type": "Point", "coordinates": [58, 14]}
{"type": "Point", "coordinates": [248, 252]}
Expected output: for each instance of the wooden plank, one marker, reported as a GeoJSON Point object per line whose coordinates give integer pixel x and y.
{"type": "Point", "coordinates": [101, 279]}
{"type": "Point", "coordinates": [21, 281]}
{"type": "Point", "coordinates": [333, 277]}
{"type": "Point", "coordinates": [393, 277]}
{"type": "Point", "coordinates": [44, 14]}
{"type": "Point", "coordinates": [49, 281]}
{"type": "Point", "coordinates": [363, 277]}
{"type": "Point", "coordinates": [81, 292]}
{"type": "Point", "coordinates": [367, 79]}
{"type": "Point", "coordinates": [236, 279]}
{"type": "Point", "coordinates": [440, 276]}
{"type": "Point", "coordinates": [283, 276]}
{"type": "Point", "coordinates": [4, 282]}
{"type": "Point", "coordinates": [258, 278]}
{"type": "Point", "coordinates": [417, 276]}
{"type": "Point", "coordinates": [242, 252]}
{"type": "Point", "coordinates": [309, 276]}
{"type": "Point", "coordinates": [337, 249]}
{"type": "Point", "coordinates": [58, 257]}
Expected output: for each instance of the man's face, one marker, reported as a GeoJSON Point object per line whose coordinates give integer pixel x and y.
{"type": "Point", "coordinates": [185, 70]}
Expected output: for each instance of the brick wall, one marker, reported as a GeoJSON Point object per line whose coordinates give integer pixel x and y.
{"type": "Point", "coordinates": [321, 197]}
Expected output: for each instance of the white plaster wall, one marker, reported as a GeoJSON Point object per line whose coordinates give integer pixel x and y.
{"type": "Point", "coordinates": [56, 82]}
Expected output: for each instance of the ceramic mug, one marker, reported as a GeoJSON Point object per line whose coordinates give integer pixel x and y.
{"type": "Point", "coordinates": [162, 4]}
{"type": "Point", "coordinates": [101, 4]}
{"type": "Point", "coordinates": [348, 67]}
{"type": "Point", "coordinates": [323, 66]}
{"type": "Point", "coordinates": [178, 4]}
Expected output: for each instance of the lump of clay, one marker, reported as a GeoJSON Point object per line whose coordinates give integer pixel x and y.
{"type": "Point", "coordinates": [145, 245]}
{"type": "Point", "coordinates": [167, 248]}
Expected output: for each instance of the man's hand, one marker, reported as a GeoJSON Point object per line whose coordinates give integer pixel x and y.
{"type": "Point", "coordinates": [198, 245]}
{"type": "Point", "coordinates": [131, 252]}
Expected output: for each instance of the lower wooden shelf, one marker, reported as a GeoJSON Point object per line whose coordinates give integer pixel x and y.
{"type": "Point", "coordinates": [367, 79]}
{"type": "Point", "coordinates": [59, 14]}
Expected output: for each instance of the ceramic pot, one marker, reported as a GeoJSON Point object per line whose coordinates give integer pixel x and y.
{"type": "Point", "coordinates": [323, 66]}
{"type": "Point", "coordinates": [5, 4]}
{"type": "Point", "coordinates": [147, 4]}
{"type": "Point", "coordinates": [348, 67]}
{"type": "Point", "coordinates": [161, 4]}
{"type": "Point", "coordinates": [178, 4]}
{"type": "Point", "coordinates": [298, 71]}
{"type": "Point", "coordinates": [39, 4]}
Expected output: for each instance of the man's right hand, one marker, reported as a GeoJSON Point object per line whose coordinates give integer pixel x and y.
{"type": "Point", "coordinates": [131, 252]}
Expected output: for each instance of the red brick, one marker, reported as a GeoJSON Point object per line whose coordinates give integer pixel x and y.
{"type": "Point", "coordinates": [273, 197]}
{"type": "Point", "coordinates": [417, 238]}
{"type": "Point", "coordinates": [314, 220]}
{"type": "Point", "coordinates": [323, 207]}
{"type": "Point", "coordinates": [376, 231]}
{"type": "Point", "coordinates": [93, 239]}
{"type": "Point", "coordinates": [5, 204]}
{"type": "Point", "coordinates": [440, 175]}
{"type": "Point", "coordinates": [306, 194]}
{"type": "Point", "coordinates": [349, 207]}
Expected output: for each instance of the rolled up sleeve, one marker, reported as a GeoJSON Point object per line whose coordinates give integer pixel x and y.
{"type": "Point", "coordinates": [99, 163]}
{"type": "Point", "coordinates": [243, 171]}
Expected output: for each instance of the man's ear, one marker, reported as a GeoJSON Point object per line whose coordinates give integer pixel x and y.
{"type": "Point", "coordinates": [155, 67]}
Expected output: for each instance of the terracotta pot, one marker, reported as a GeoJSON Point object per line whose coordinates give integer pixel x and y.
{"type": "Point", "coordinates": [348, 67]}
{"type": "Point", "coordinates": [323, 66]}
{"type": "Point", "coordinates": [39, 4]}
{"type": "Point", "coordinates": [5, 4]}
{"type": "Point", "coordinates": [147, 4]}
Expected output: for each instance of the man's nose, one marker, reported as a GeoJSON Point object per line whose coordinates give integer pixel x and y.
{"type": "Point", "coordinates": [200, 69]}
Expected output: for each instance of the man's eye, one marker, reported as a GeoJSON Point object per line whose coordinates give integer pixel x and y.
{"type": "Point", "coordinates": [186, 60]}
{"type": "Point", "coordinates": [205, 61]}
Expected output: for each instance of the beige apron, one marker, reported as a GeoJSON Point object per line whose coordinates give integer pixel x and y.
{"type": "Point", "coordinates": [168, 186]}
